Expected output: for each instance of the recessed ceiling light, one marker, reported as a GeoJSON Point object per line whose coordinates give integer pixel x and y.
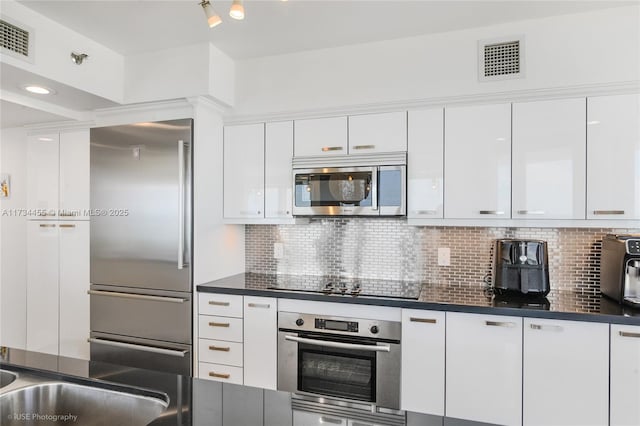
{"type": "Point", "coordinates": [38, 90]}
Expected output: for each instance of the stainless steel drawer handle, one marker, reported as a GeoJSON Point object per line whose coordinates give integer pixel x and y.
{"type": "Point", "coordinates": [330, 344]}
{"type": "Point", "coordinates": [153, 349]}
{"type": "Point", "coordinates": [425, 211]}
{"type": "Point", "coordinates": [219, 348]}
{"type": "Point", "coordinates": [66, 225]}
{"type": "Point", "coordinates": [325, 419]}
{"type": "Point", "coordinates": [259, 305]}
{"type": "Point", "coordinates": [331, 148]}
{"type": "Point", "coordinates": [218, 375]}
{"type": "Point", "coordinates": [214, 303]}
{"type": "Point", "coordinates": [500, 324]}
{"type": "Point", "coordinates": [364, 147]}
{"type": "Point", "coordinates": [546, 327]}
{"type": "Point", "coordinates": [137, 296]}
{"type": "Point", "coordinates": [423, 320]}
{"type": "Point", "coordinates": [608, 212]}
{"type": "Point", "coordinates": [538, 212]}
{"type": "Point", "coordinates": [46, 225]}
{"type": "Point", "coordinates": [67, 214]}
{"type": "Point", "coordinates": [218, 324]}
{"type": "Point", "coordinates": [495, 212]}
{"type": "Point", "coordinates": [361, 424]}
{"type": "Point", "coordinates": [629, 334]}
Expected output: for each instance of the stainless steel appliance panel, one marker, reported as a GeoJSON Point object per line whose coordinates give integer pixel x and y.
{"type": "Point", "coordinates": [155, 315]}
{"type": "Point", "coordinates": [140, 198]}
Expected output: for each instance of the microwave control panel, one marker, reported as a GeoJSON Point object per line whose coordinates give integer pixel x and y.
{"type": "Point", "coordinates": [326, 324]}
{"type": "Point", "coordinates": [633, 246]}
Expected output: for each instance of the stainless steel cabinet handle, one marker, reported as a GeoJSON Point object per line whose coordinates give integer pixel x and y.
{"type": "Point", "coordinates": [546, 327]}
{"type": "Point", "coordinates": [218, 375]}
{"type": "Point", "coordinates": [137, 296]}
{"type": "Point", "coordinates": [66, 225]}
{"type": "Point", "coordinates": [153, 349]}
{"type": "Point", "coordinates": [331, 148]}
{"type": "Point", "coordinates": [325, 419]}
{"type": "Point", "coordinates": [259, 305]}
{"type": "Point", "coordinates": [374, 188]}
{"type": "Point", "coordinates": [329, 344]}
{"type": "Point", "coordinates": [500, 324]}
{"type": "Point", "coordinates": [181, 204]}
{"type": "Point", "coordinates": [45, 214]}
{"type": "Point", "coordinates": [608, 212]}
{"type": "Point", "coordinates": [46, 225]}
{"type": "Point", "coordinates": [425, 211]}
{"type": "Point", "coordinates": [425, 320]}
{"type": "Point", "coordinates": [218, 324]}
{"type": "Point", "coordinates": [361, 424]}
{"type": "Point", "coordinates": [219, 348]}
{"type": "Point", "coordinates": [537, 212]}
{"type": "Point", "coordinates": [364, 147]}
{"type": "Point", "coordinates": [496, 212]}
{"type": "Point", "coordinates": [67, 214]}
{"type": "Point", "coordinates": [629, 334]}
{"type": "Point", "coordinates": [216, 303]}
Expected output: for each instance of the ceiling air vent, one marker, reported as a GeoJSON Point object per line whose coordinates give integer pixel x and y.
{"type": "Point", "coordinates": [16, 41]}
{"type": "Point", "coordinates": [501, 59]}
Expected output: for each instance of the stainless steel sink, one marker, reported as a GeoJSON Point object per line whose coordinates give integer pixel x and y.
{"type": "Point", "coordinates": [6, 378]}
{"type": "Point", "coordinates": [35, 400]}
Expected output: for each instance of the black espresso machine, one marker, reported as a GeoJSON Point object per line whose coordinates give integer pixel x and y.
{"type": "Point", "coordinates": [521, 268]}
{"type": "Point", "coordinates": [620, 268]}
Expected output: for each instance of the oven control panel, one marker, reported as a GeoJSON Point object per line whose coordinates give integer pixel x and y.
{"type": "Point", "coordinates": [633, 246]}
{"type": "Point", "coordinates": [327, 324]}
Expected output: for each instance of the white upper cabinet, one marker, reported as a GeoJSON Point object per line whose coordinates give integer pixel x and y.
{"type": "Point", "coordinates": [477, 162]}
{"type": "Point", "coordinates": [386, 132]}
{"type": "Point", "coordinates": [425, 164]}
{"type": "Point", "coordinates": [43, 167]}
{"type": "Point", "coordinates": [321, 136]}
{"type": "Point", "coordinates": [613, 157]}
{"type": "Point", "coordinates": [74, 175]}
{"type": "Point", "coordinates": [549, 148]}
{"type": "Point", "coordinates": [625, 375]}
{"type": "Point", "coordinates": [244, 171]}
{"type": "Point", "coordinates": [277, 169]}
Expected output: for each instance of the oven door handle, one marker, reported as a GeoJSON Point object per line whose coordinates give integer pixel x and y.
{"type": "Point", "coordinates": [329, 344]}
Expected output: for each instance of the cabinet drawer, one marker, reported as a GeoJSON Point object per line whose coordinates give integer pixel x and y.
{"type": "Point", "coordinates": [220, 373]}
{"type": "Point", "coordinates": [220, 328]}
{"type": "Point", "coordinates": [220, 352]}
{"type": "Point", "coordinates": [306, 418]}
{"type": "Point", "coordinates": [224, 305]}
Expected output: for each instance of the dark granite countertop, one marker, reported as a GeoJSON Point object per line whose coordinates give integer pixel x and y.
{"type": "Point", "coordinates": [564, 305]}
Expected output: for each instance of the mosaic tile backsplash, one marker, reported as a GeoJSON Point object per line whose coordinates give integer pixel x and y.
{"type": "Point", "coordinates": [390, 249]}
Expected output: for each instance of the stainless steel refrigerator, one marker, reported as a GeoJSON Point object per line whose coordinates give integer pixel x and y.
{"type": "Point", "coordinates": [141, 215]}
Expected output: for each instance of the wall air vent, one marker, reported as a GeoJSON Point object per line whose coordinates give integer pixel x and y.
{"type": "Point", "coordinates": [16, 40]}
{"type": "Point", "coordinates": [501, 59]}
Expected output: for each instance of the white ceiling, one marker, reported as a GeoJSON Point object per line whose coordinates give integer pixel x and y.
{"type": "Point", "coordinates": [14, 115]}
{"type": "Point", "coordinates": [276, 27]}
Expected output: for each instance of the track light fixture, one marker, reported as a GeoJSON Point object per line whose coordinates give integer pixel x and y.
{"type": "Point", "coordinates": [77, 58]}
{"type": "Point", "coordinates": [212, 17]}
{"type": "Point", "coordinates": [237, 10]}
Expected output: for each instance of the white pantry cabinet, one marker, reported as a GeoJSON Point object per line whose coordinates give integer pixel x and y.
{"type": "Point", "coordinates": [385, 132]}
{"type": "Point", "coordinates": [549, 159]}
{"type": "Point", "coordinates": [74, 174]}
{"type": "Point", "coordinates": [625, 375]}
{"type": "Point", "coordinates": [278, 183]}
{"type": "Point", "coordinates": [43, 167]}
{"type": "Point", "coordinates": [423, 361]}
{"type": "Point", "coordinates": [477, 171]}
{"type": "Point", "coordinates": [260, 342]}
{"type": "Point", "coordinates": [425, 164]}
{"type": "Point", "coordinates": [566, 373]}
{"type": "Point", "coordinates": [320, 136]}
{"type": "Point", "coordinates": [484, 368]}
{"type": "Point", "coordinates": [613, 157]}
{"type": "Point", "coordinates": [244, 171]}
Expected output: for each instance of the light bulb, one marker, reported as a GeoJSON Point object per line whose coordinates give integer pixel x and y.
{"type": "Point", "coordinates": [237, 10]}
{"type": "Point", "coordinates": [212, 17]}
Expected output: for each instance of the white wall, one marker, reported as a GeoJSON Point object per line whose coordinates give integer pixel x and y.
{"type": "Point", "coordinates": [598, 47]}
{"type": "Point", "coordinates": [13, 241]}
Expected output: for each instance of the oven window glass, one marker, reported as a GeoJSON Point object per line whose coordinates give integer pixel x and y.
{"type": "Point", "coordinates": [337, 372]}
{"type": "Point", "coordinates": [333, 189]}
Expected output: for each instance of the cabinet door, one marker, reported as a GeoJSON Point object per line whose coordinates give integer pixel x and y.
{"type": "Point", "coordinates": [74, 175]}
{"type": "Point", "coordinates": [425, 169]}
{"type": "Point", "coordinates": [386, 132]}
{"type": "Point", "coordinates": [43, 176]}
{"type": "Point", "coordinates": [613, 157]}
{"type": "Point", "coordinates": [484, 368]}
{"type": "Point", "coordinates": [625, 375]}
{"type": "Point", "coordinates": [260, 342]}
{"type": "Point", "coordinates": [74, 284]}
{"type": "Point", "coordinates": [244, 171]}
{"type": "Point", "coordinates": [423, 337]}
{"type": "Point", "coordinates": [320, 136]}
{"type": "Point", "coordinates": [566, 373]}
{"type": "Point", "coordinates": [549, 149]}
{"type": "Point", "coordinates": [42, 287]}
{"type": "Point", "coordinates": [278, 184]}
{"type": "Point", "coordinates": [477, 162]}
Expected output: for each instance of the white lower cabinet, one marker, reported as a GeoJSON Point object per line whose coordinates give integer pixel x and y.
{"type": "Point", "coordinates": [220, 372]}
{"type": "Point", "coordinates": [484, 368]}
{"type": "Point", "coordinates": [625, 375]}
{"type": "Point", "coordinates": [260, 342]}
{"type": "Point", "coordinates": [566, 373]}
{"type": "Point", "coordinates": [423, 361]}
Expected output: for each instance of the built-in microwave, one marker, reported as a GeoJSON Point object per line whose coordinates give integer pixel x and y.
{"type": "Point", "coordinates": [348, 186]}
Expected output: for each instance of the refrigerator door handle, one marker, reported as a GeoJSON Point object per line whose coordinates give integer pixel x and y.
{"type": "Point", "coordinates": [181, 213]}
{"type": "Point", "coordinates": [153, 349]}
{"type": "Point", "coordinates": [137, 296]}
